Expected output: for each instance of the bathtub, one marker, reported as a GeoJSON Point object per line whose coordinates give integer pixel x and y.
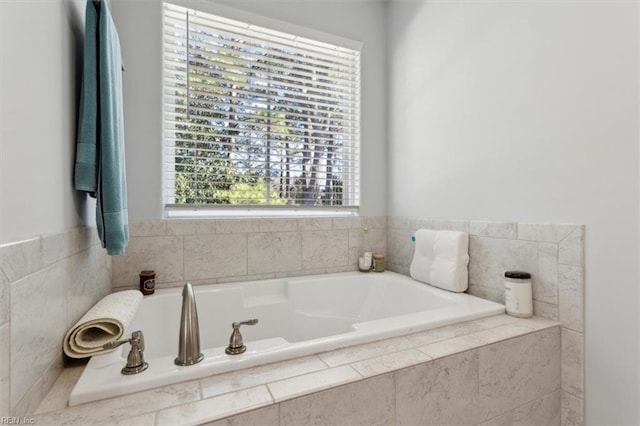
{"type": "Point", "coordinates": [297, 317]}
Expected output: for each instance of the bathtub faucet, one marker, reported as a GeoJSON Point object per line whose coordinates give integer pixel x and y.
{"type": "Point", "coordinates": [189, 341]}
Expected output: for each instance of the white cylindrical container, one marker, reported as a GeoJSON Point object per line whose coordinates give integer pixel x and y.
{"type": "Point", "coordinates": [518, 297]}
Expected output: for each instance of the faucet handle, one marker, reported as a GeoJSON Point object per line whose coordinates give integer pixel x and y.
{"type": "Point", "coordinates": [136, 337]}
{"type": "Point", "coordinates": [236, 345]}
{"type": "Point", "coordinates": [253, 321]}
{"type": "Point", "coordinates": [135, 359]}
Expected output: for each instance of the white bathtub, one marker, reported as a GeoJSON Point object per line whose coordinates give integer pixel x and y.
{"type": "Point", "coordinates": [297, 316]}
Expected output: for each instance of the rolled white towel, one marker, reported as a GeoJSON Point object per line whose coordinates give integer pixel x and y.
{"type": "Point", "coordinates": [105, 322]}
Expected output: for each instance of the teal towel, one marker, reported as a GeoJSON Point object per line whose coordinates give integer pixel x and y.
{"type": "Point", "coordinates": [100, 164]}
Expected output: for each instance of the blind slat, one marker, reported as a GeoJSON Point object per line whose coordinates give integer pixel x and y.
{"type": "Point", "coordinates": [205, 42]}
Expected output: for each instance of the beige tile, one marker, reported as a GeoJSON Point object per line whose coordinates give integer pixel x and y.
{"type": "Point", "coordinates": [509, 375]}
{"type": "Point", "coordinates": [442, 392]}
{"type": "Point", "coordinates": [214, 256]}
{"type": "Point", "coordinates": [572, 410]}
{"type": "Point", "coordinates": [572, 248]}
{"type": "Point", "coordinates": [484, 336]}
{"type": "Point", "coordinates": [397, 222]}
{"type": "Point", "coordinates": [109, 411]}
{"type": "Point", "coordinates": [58, 397]}
{"type": "Point", "coordinates": [142, 420]}
{"type": "Point", "coordinates": [236, 226]}
{"type": "Point", "coordinates": [207, 410]}
{"type": "Point", "coordinates": [545, 310]}
{"type": "Point", "coordinates": [251, 377]}
{"type": "Point", "coordinates": [497, 321]}
{"type": "Point", "coordinates": [38, 390]}
{"type": "Point", "coordinates": [87, 237]}
{"type": "Point", "coordinates": [497, 334]}
{"type": "Point", "coordinates": [38, 324]}
{"type": "Point", "coordinates": [190, 227]}
{"type": "Point", "coordinates": [243, 278]}
{"type": "Point", "coordinates": [21, 258]}
{"type": "Point", "coordinates": [491, 257]}
{"type": "Point", "coordinates": [388, 363]}
{"type": "Point", "coordinates": [89, 281]}
{"type": "Point", "coordinates": [378, 240]}
{"type": "Point", "coordinates": [348, 223]}
{"type": "Point", "coordinates": [505, 419]}
{"type": "Point", "coordinates": [449, 347]}
{"type": "Point", "coordinates": [489, 293]}
{"type": "Point", "coordinates": [544, 232]}
{"type": "Point", "coordinates": [315, 224]}
{"type": "Point", "coordinates": [572, 370]}
{"type": "Point", "coordinates": [312, 382]}
{"type": "Point", "coordinates": [542, 411]}
{"type": "Point", "coordinates": [277, 225]}
{"type": "Point", "coordinates": [400, 246]}
{"type": "Point", "coordinates": [373, 222]}
{"type": "Point", "coordinates": [448, 225]}
{"type": "Point", "coordinates": [56, 246]}
{"type": "Point", "coordinates": [356, 353]}
{"type": "Point", "coordinates": [537, 323]}
{"type": "Point", "coordinates": [306, 272]}
{"type": "Point", "coordinates": [447, 332]}
{"type": "Point", "coordinates": [399, 269]}
{"type": "Point", "coordinates": [354, 254]}
{"type": "Point", "coordinates": [268, 416]}
{"type": "Point", "coordinates": [5, 298]}
{"type": "Point", "coordinates": [153, 228]}
{"type": "Point", "coordinates": [274, 252]}
{"type": "Point", "coordinates": [5, 369]}
{"type": "Point", "coordinates": [355, 239]}
{"type": "Point", "coordinates": [494, 229]}
{"type": "Point", "coordinates": [545, 282]}
{"type": "Point", "coordinates": [324, 249]}
{"type": "Point", "coordinates": [164, 255]}
{"type": "Point", "coordinates": [342, 405]}
{"type": "Point", "coordinates": [550, 361]}
{"type": "Point", "coordinates": [571, 297]}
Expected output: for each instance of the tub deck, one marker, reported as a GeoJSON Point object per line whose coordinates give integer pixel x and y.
{"type": "Point", "coordinates": [223, 395]}
{"type": "Point", "coordinates": [298, 316]}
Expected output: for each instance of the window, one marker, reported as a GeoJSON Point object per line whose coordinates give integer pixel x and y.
{"type": "Point", "coordinates": [257, 118]}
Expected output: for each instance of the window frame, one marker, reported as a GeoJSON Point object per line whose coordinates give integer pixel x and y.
{"type": "Point", "coordinates": [248, 210]}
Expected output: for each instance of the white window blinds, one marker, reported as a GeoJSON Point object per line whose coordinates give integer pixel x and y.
{"type": "Point", "coordinates": [256, 117]}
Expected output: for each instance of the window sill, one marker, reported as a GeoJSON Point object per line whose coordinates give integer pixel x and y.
{"type": "Point", "coordinates": [222, 213]}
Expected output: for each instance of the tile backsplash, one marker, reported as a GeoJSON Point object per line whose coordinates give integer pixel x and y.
{"type": "Point", "coordinates": [46, 285]}
{"type": "Point", "coordinates": [224, 250]}
{"type": "Point", "coordinates": [552, 253]}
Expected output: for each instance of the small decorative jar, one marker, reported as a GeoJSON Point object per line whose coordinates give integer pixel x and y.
{"type": "Point", "coordinates": [147, 282]}
{"type": "Point", "coordinates": [518, 297]}
{"type": "Point", "coordinates": [378, 262]}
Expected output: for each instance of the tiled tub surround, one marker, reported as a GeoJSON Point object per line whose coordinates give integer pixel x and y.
{"type": "Point", "coordinates": [495, 370]}
{"type": "Point", "coordinates": [225, 250]}
{"type": "Point", "coordinates": [46, 285]}
{"type": "Point", "coordinates": [554, 254]}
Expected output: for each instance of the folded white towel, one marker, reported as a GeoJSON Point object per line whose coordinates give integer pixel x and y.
{"type": "Point", "coordinates": [105, 322]}
{"type": "Point", "coordinates": [441, 258]}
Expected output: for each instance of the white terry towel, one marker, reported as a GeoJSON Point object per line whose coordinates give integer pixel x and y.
{"type": "Point", "coordinates": [441, 258]}
{"type": "Point", "coordinates": [103, 323]}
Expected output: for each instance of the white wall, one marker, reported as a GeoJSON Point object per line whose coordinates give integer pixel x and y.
{"type": "Point", "coordinates": [139, 27]}
{"type": "Point", "coordinates": [528, 111]}
{"type": "Point", "coordinates": [39, 74]}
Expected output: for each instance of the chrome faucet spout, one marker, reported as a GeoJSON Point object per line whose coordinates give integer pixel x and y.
{"type": "Point", "coordinates": [189, 341]}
